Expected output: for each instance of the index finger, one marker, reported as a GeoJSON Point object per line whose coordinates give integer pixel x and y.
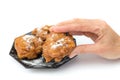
{"type": "Point", "coordinates": [76, 25]}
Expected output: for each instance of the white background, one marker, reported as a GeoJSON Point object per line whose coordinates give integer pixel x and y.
{"type": "Point", "coordinates": [21, 16]}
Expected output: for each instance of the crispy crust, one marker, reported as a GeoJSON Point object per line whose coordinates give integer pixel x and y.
{"type": "Point", "coordinates": [28, 46]}
{"type": "Point", "coordinates": [53, 46]}
{"type": "Point", "coordinates": [57, 46]}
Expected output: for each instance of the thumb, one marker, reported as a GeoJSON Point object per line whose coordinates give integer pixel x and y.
{"type": "Point", "coordinates": [87, 48]}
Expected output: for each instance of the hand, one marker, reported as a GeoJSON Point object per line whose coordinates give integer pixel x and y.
{"type": "Point", "coordinates": [107, 42]}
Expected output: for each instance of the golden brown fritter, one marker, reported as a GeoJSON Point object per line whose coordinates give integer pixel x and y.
{"type": "Point", "coordinates": [28, 46]}
{"type": "Point", "coordinates": [57, 46]}
{"type": "Point", "coordinates": [53, 46]}
{"type": "Point", "coordinates": [41, 32]}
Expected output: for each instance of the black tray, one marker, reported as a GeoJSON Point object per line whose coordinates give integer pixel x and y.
{"type": "Point", "coordinates": [37, 63]}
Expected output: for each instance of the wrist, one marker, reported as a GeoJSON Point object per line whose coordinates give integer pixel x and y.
{"type": "Point", "coordinates": [117, 51]}
{"type": "Point", "coordinates": [114, 51]}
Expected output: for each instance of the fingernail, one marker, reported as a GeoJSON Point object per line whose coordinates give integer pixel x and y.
{"type": "Point", "coordinates": [52, 28]}
{"type": "Point", "coordinates": [72, 55]}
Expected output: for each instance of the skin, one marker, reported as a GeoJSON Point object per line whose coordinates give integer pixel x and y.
{"type": "Point", "coordinates": [106, 41]}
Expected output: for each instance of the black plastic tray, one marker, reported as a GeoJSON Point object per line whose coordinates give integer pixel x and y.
{"type": "Point", "coordinates": [39, 62]}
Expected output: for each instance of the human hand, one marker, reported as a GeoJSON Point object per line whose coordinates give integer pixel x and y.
{"type": "Point", "coordinates": [107, 42]}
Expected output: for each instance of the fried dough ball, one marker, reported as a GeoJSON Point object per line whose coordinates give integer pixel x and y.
{"type": "Point", "coordinates": [57, 46]}
{"type": "Point", "coordinates": [52, 46]}
{"type": "Point", "coordinates": [28, 46]}
{"type": "Point", "coordinates": [41, 32]}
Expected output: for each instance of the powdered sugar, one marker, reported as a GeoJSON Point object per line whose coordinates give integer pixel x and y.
{"type": "Point", "coordinates": [58, 43]}
{"type": "Point", "coordinates": [40, 40]}
{"type": "Point", "coordinates": [28, 39]}
{"type": "Point", "coordinates": [38, 30]}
